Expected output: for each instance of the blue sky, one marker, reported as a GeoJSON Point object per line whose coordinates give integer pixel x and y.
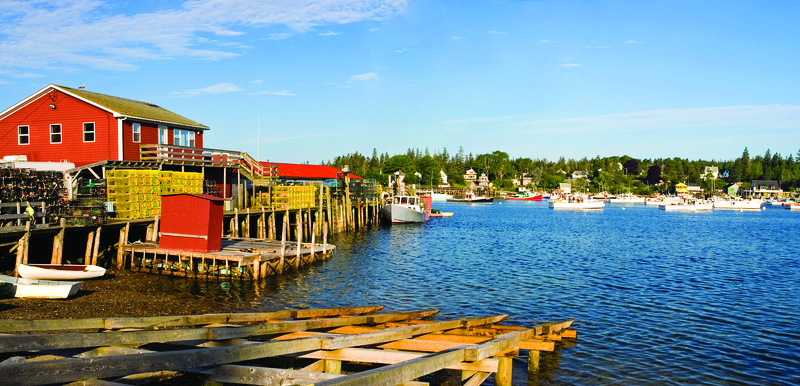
{"type": "Point", "coordinates": [539, 79]}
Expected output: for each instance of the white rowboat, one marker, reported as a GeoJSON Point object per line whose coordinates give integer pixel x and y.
{"type": "Point", "coordinates": [42, 289]}
{"type": "Point", "coordinates": [60, 271]}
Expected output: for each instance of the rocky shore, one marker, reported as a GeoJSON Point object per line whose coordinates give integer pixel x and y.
{"type": "Point", "coordinates": [116, 294]}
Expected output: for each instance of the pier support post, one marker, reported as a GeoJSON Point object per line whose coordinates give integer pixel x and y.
{"type": "Point", "coordinates": [333, 366]}
{"type": "Point", "coordinates": [123, 240]}
{"type": "Point", "coordinates": [533, 361]}
{"type": "Point", "coordinates": [87, 259]}
{"type": "Point", "coordinates": [58, 244]}
{"type": "Point", "coordinates": [96, 249]}
{"type": "Point", "coordinates": [504, 368]}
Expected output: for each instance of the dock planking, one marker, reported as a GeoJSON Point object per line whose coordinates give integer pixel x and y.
{"type": "Point", "coordinates": [400, 347]}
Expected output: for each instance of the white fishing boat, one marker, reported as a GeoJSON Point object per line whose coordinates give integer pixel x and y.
{"type": "Point", "coordinates": [688, 206]}
{"type": "Point", "coordinates": [752, 204]}
{"type": "Point", "coordinates": [626, 199]}
{"type": "Point", "coordinates": [576, 202]}
{"type": "Point", "coordinates": [41, 289]}
{"type": "Point", "coordinates": [405, 209]}
{"type": "Point", "coordinates": [661, 200]}
{"type": "Point", "coordinates": [60, 271]}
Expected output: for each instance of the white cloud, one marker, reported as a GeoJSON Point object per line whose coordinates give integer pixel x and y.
{"type": "Point", "coordinates": [571, 65]}
{"type": "Point", "coordinates": [279, 92]}
{"type": "Point", "coordinates": [4, 82]}
{"type": "Point", "coordinates": [97, 34]}
{"type": "Point", "coordinates": [278, 36]}
{"type": "Point", "coordinates": [220, 88]}
{"type": "Point", "coordinates": [545, 41]}
{"type": "Point", "coordinates": [257, 81]}
{"type": "Point", "coordinates": [632, 42]}
{"type": "Point", "coordinates": [456, 38]}
{"type": "Point", "coordinates": [329, 33]}
{"type": "Point", "coordinates": [367, 76]}
{"type": "Point", "coordinates": [374, 29]}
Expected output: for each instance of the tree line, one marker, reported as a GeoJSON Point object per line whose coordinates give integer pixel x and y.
{"type": "Point", "coordinates": [611, 174]}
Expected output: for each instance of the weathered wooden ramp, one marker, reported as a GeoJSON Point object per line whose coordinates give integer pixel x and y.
{"type": "Point", "coordinates": [246, 348]}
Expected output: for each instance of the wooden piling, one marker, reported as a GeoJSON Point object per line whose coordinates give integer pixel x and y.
{"type": "Point", "coordinates": [87, 259]}
{"type": "Point", "coordinates": [96, 249]}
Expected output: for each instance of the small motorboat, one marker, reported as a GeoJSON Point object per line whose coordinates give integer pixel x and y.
{"type": "Point", "coordinates": [526, 197]}
{"type": "Point", "coordinates": [576, 202]}
{"type": "Point", "coordinates": [41, 289]}
{"type": "Point", "coordinates": [60, 271]}
{"type": "Point", "coordinates": [470, 197]}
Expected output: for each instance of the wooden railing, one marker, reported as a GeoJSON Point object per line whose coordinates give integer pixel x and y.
{"type": "Point", "coordinates": [198, 156]}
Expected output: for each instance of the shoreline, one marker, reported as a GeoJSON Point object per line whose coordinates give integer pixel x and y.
{"type": "Point", "coordinates": [117, 294]}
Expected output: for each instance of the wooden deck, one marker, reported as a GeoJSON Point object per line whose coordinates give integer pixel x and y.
{"type": "Point", "coordinates": [293, 347]}
{"type": "Point", "coordinates": [242, 258]}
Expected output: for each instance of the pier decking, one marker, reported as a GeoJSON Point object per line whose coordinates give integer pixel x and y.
{"type": "Point", "coordinates": [243, 258]}
{"type": "Point", "coordinates": [293, 347]}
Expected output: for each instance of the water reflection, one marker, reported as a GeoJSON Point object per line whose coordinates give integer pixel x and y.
{"type": "Point", "coordinates": [659, 298]}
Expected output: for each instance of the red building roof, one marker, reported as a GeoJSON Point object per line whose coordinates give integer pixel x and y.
{"type": "Point", "coordinates": [311, 172]}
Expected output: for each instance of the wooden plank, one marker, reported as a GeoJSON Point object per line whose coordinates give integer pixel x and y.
{"type": "Point", "coordinates": [69, 370]}
{"type": "Point", "coordinates": [537, 345]}
{"type": "Point", "coordinates": [248, 375]}
{"type": "Point", "coordinates": [282, 327]}
{"type": "Point", "coordinates": [24, 325]}
{"type": "Point", "coordinates": [317, 367]}
{"type": "Point", "coordinates": [19, 343]}
{"type": "Point", "coordinates": [367, 338]}
{"type": "Point", "coordinates": [465, 339]}
{"type": "Point", "coordinates": [391, 357]}
{"type": "Point", "coordinates": [476, 379]}
{"type": "Point", "coordinates": [96, 382]}
{"type": "Point", "coordinates": [193, 320]}
{"type": "Point", "coordinates": [419, 345]}
{"type": "Point", "coordinates": [573, 334]}
{"type": "Point", "coordinates": [326, 312]}
{"type": "Point", "coordinates": [354, 330]}
{"type": "Point", "coordinates": [401, 372]}
{"type": "Point", "coordinates": [500, 344]}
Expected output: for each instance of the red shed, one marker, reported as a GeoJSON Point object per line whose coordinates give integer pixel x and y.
{"type": "Point", "coordinates": [191, 222]}
{"type": "Point", "coordinates": [60, 123]}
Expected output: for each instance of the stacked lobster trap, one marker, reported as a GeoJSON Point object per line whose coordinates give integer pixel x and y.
{"type": "Point", "coordinates": [137, 193]}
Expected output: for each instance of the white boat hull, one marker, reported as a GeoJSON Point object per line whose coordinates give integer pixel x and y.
{"type": "Point", "coordinates": [59, 271]}
{"type": "Point", "coordinates": [686, 208]}
{"type": "Point", "coordinates": [635, 200]}
{"type": "Point", "coordinates": [577, 205]}
{"type": "Point", "coordinates": [399, 214]}
{"type": "Point", "coordinates": [747, 204]}
{"type": "Point", "coordinates": [41, 289]}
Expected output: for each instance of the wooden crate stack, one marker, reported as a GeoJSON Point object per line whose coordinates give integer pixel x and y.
{"type": "Point", "coordinates": [136, 193]}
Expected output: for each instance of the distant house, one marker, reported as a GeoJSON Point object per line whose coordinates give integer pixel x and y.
{"type": "Point", "coordinates": [694, 189]}
{"type": "Point", "coordinates": [765, 188]}
{"type": "Point", "coordinates": [733, 189]}
{"type": "Point", "coordinates": [580, 174]}
{"type": "Point", "coordinates": [681, 188]}
{"type": "Point", "coordinates": [483, 181]}
{"type": "Point", "coordinates": [710, 169]}
{"type": "Point", "coordinates": [60, 123]}
{"type": "Point", "coordinates": [565, 188]}
{"type": "Point", "coordinates": [470, 176]}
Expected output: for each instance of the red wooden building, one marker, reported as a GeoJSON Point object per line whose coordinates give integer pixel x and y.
{"type": "Point", "coordinates": [59, 123]}
{"type": "Point", "coordinates": [191, 222]}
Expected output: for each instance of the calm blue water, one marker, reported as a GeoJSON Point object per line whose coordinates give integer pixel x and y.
{"type": "Point", "coordinates": [658, 298]}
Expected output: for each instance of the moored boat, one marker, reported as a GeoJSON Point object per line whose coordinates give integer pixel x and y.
{"type": "Point", "coordinates": [576, 202]}
{"type": "Point", "coordinates": [626, 199]}
{"type": "Point", "coordinates": [688, 205]}
{"type": "Point", "coordinates": [469, 197]}
{"type": "Point", "coordinates": [526, 196]}
{"type": "Point", "coordinates": [60, 271]}
{"type": "Point", "coordinates": [406, 209]}
{"type": "Point", "coordinates": [42, 289]}
{"type": "Point", "coordinates": [752, 204]}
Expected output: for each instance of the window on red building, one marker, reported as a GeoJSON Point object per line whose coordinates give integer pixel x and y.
{"type": "Point", "coordinates": [137, 132]}
{"type": "Point", "coordinates": [23, 135]}
{"type": "Point", "coordinates": [55, 133]}
{"type": "Point", "coordinates": [88, 132]}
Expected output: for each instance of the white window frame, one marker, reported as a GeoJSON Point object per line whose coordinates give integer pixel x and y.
{"type": "Point", "coordinates": [163, 135]}
{"type": "Point", "coordinates": [191, 138]}
{"type": "Point", "coordinates": [176, 137]}
{"type": "Point", "coordinates": [27, 135]}
{"type": "Point", "coordinates": [93, 132]}
{"type": "Point", "coordinates": [60, 133]}
{"type": "Point", "coordinates": [137, 132]}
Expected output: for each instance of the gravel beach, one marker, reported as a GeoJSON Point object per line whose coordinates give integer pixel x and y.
{"type": "Point", "coordinates": [115, 294]}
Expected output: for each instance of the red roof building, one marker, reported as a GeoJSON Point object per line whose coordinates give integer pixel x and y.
{"type": "Point", "coordinates": [59, 123]}
{"type": "Point", "coordinates": [308, 172]}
